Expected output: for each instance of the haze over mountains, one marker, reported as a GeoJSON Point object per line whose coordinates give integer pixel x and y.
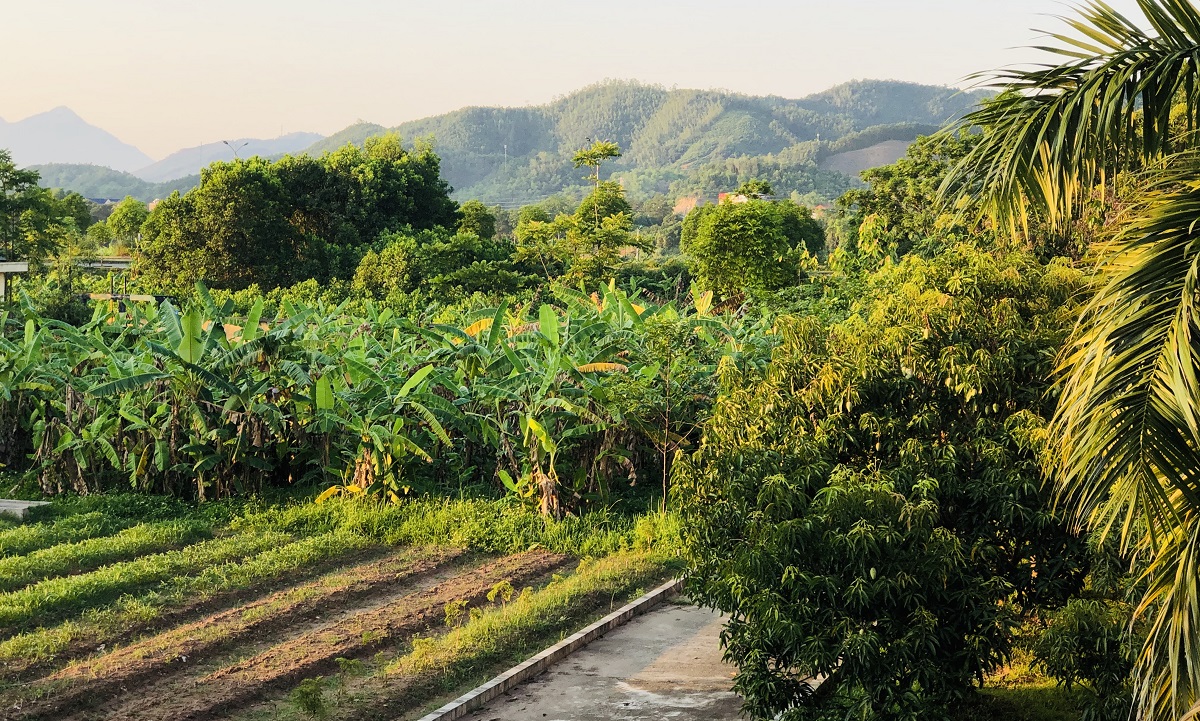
{"type": "Point", "coordinates": [189, 161]}
{"type": "Point", "coordinates": [674, 141]}
{"type": "Point", "coordinates": [61, 136]}
{"type": "Point", "coordinates": [77, 155]}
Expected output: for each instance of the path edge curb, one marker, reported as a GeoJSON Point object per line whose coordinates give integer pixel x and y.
{"type": "Point", "coordinates": [517, 675]}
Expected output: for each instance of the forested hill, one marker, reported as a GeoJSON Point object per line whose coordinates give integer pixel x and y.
{"type": "Point", "coordinates": [99, 182]}
{"type": "Point", "coordinates": [675, 141]}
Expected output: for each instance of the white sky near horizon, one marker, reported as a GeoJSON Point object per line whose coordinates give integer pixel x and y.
{"type": "Point", "coordinates": [168, 74]}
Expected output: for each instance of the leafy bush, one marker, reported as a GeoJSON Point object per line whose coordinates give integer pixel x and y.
{"type": "Point", "coordinates": [868, 508]}
{"type": "Point", "coordinates": [1087, 644]}
{"type": "Point", "coordinates": [309, 697]}
{"type": "Point", "coordinates": [755, 244]}
{"type": "Point", "coordinates": [277, 223]}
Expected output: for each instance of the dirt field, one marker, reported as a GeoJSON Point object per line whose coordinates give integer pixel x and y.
{"type": "Point", "coordinates": [854, 162]}
{"type": "Point", "coordinates": [257, 647]}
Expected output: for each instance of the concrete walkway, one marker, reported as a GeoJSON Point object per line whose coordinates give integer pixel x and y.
{"type": "Point", "coordinates": [664, 665]}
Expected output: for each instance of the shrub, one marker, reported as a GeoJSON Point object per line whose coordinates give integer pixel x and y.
{"type": "Point", "coordinates": [1087, 644]}
{"type": "Point", "coordinates": [866, 509]}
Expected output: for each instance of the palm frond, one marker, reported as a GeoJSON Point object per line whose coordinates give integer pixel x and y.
{"type": "Point", "coordinates": [1127, 433]}
{"type": "Point", "coordinates": [1058, 131]}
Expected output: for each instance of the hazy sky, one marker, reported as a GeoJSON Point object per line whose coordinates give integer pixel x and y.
{"type": "Point", "coordinates": [166, 74]}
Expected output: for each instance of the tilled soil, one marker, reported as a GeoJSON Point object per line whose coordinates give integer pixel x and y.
{"type": "Point", "coordinates": [396, 697]}
{"type": "Point", "coordinates": [226, 661]}
{"type": "Point", "coordinates": [84, 646]}
{"type": "Point", "coordinates": [178, 650]}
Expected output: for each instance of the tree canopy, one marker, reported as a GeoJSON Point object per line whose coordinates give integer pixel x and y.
{"type": "Point", "coordinates": [276, 223]}
{"type": "Point", "coordinates": [865, 507]}
{"type": "Point", "coordinates": [756, 244]}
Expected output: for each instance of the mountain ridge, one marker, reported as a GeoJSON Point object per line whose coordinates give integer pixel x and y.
{"type": "Point", "coordinates": [103, 183]}
{"type": "Point", "coordinates": [674, 140]}
{"type": "Point", "coordinates": [61, 135]}
{"type": "Point", "coordinates": [189, 161]}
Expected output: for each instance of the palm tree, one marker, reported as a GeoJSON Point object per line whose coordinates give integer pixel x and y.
{"type": "Point", "coordinates": [1121, 100]}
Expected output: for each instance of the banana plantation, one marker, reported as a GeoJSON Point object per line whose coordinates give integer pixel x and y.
{"type": "Point", "coordinates": [560, 404]}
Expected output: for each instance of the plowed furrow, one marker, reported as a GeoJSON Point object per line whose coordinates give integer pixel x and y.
{"type": "Point", "coordinates": [314, 653]}
{"type": "Point", "coordinates": [85, 644]}
{"type": "Point", "coordinates": [177, 651]}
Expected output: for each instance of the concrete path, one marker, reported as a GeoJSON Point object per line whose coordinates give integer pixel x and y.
{"type": "Point", "coordinates": [664, 665]}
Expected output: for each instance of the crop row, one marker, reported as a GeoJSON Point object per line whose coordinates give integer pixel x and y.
{"type": "Point", "coordinates": [101, 625]}
{"type": "Point", "coordinates": [515, 625]}
{"type": "Point", "coordinates": [73, 558]}
{"type": "Point", "coordinates": [327, 531]}
{"type": "Point", "coordinates": [79, 527]}
{"type": "Point", "coordinates": [57, 597]}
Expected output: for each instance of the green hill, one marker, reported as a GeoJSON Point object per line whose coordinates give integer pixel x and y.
{"type": "Point", "coordinates": [675, 141]}
{"type": "Point", "coordinates": [356, 134]}
{"type": "Point", "coordinates": [678, 142]}
{"type": "Point", "coordinates": [98, 182]}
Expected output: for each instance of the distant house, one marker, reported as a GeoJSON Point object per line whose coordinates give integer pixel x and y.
{"type": "Point", "coordinates": [153, 204]}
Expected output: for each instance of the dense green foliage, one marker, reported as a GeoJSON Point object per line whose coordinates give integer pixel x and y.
{"type": "Point", "coordinates": [1087, 644]}
{"type": "Point", "coordinates": [1106, 127]}
{"type": "Point", "coordinates": [853, 421]}
{"type": "Point", "coordinates": [899, 213]}
{"type": "Point", "coordinates": [477, 219]}
{"type": "Point", "coordinates": [277, 223]}
{"type": "Point", "coordinates": [869, 508]}
{"type": "Point", "coordinates": [676, 141]}
{"type": "Point", "coordinates": [126, 220]}
{"type": "Point", "coordinates": [33, 220]}
{"type": "Point", "coordinates": [205, 404]}
{"type": "Point", "coordinates": [756, 245]}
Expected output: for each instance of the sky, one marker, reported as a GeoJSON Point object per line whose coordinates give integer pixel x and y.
{"type": "Point", "coordinates": [168, 74]}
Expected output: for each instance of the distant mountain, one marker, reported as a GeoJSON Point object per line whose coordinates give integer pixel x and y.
{"type": "Point", "coordinates": [61, 136]}
{"type": "Point", "coordinates": [100, 183]}
{"type": "Point", "coordinates": [189, 161]}
{"type": "Point", "coordinates": [674, 141]}
{"type": "Point", "coordinates": [356, 134]}
{"type": "Point", "coordinates": [678, 142]}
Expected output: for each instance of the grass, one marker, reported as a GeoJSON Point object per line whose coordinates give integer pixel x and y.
{"type": "Point", "coordinates": [492, 526]}
{"type": "Point", "coordinates": [67, 558]}
{"type": "Point", "coordinates": [1020, 692]}
{"type": "Point", "coordinates": [25, 538]}
{"type": "Point", "coordinates": [58, 597]}
{"type": "Point", "coordinates": [101, 625]}
{"type": "Point", "coordinates": [1030, 702]}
